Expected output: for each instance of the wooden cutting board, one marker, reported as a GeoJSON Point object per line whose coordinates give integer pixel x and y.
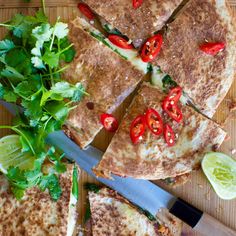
{"type": "Point", "coordinates": [197, 191]}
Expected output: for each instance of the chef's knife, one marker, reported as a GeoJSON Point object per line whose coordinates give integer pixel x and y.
{"type": "Point", "coordinates": [141, 192]}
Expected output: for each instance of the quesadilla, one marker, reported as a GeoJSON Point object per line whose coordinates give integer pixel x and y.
{"type": "Point", "coordinates": [205, 78]}
{"type": "Point", "coordinates": [114, 215]}
{"type": "Point", "coordinates": [137, 24]}
{"type": "Point", "coordinates": [106, 76]}
{"type": "Point", "coordinates": [37, 214]}
{"type": "Point", "coordinates": [151, 157]}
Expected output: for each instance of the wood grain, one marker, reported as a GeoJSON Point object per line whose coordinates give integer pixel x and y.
{"type": "Point", "coordinates": [197, 191]}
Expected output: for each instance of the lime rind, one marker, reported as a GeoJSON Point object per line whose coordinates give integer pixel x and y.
{"type": "Point", "coordinates": [11, 154]}
{"type": "Point", "coordinates": [220, 170]}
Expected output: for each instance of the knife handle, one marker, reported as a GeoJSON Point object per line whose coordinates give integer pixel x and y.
{"type": "Point", "coordinates": [199, 221]}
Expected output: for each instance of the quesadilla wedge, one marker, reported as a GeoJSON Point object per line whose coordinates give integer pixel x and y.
{"type": "Point", "coordinates": [205, 78]}
{"type": "Point", "coordinates": [114, 215]}
{"type": "Point", "coordinates": [106, 76]}
{"type": "Point", "coordinates": [152, 158]}
{"type": "Point", "coordinates": [136, 23]}
{"type": "Point", "coordinates": [37, 214]}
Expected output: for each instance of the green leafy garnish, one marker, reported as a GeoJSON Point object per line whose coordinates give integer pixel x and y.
{"type": "Point", "coordinates": [31, 59]}
{"type": "Point", "coordinates": [168, 83]}
{"type": "Point", "coordinates": [75, 187]}
{"type": "Point", "coordinates": [92, 187]}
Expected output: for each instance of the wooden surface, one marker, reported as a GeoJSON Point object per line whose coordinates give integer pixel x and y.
{"type": "Point", "coordinates": [197, 191]}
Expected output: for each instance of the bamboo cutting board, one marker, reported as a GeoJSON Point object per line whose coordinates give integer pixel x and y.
{"type": "Point", "coordinates": [197, 191]}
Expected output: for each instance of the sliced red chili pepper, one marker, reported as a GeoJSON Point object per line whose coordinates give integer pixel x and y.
{"type": "Point", "coordinates": [154, 121]}
{"type": "Point", "coordinates": [172, 110]}
{"type": "Point", "coordinates": [120, 41]}
{"type": "Point", "coordinates": [109, 122]}
{"type": "Point", "coordinates": [137, 3]}
{"type": "Point", "coordinates": [212, 48]}
{"type": "Point", "coordinates": [151, 48]}
{"type": "Point", "coordinates": [137, 129]}
{"type": "Point", "coordinates": [86, 11]}
{"type": "Point", "coordinates": [175, 94]}
{"type": "Point", "coordinates": [169, 135]}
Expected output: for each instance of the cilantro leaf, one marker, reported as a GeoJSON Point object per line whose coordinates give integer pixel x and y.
{"type": "Point", "coordinates": [51, 183]}
{"type": "Point", "coordinates": [18, 192]}
{"type": "Point", "coordinates": [61, 30]}
{"type": "Point", "coordinates": [25, 89]}
{"type": "Point", "coordinates": [75, 187]}
{"type": "Point", "coordinates": [64, 89]}
{"type": "Point", "coordinates": [58, 110]}
{"type": "Point", "coordinates": [19, 60]}
{"type": "Point", "coordinates": [5, 46]}
{"type": "Point", "coordinates": [12, 74]}
{"type": "Point", "coordinates": [51, 59]}
{"type": "Point", "coordinates": [42, 33]}
{"type": "Point", "coordinates": [79, 92]}
{"type": "Point", "coordinates": [9, 96]}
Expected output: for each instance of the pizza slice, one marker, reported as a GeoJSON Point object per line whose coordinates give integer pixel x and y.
{"type": "Point", "coordinates": [152, 143]}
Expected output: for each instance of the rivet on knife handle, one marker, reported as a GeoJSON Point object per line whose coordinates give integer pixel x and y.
{"type": "Point", "coordinates": [199, 221]}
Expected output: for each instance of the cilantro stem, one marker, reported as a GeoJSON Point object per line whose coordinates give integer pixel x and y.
{"type": "Point", "coordinates": [56, 72]}
{"type": "Point", "coordinates": [5, 25]}
{"type": "Point", "coordinates": [43, 6]}
{"type": "Point", "coordinates": [65, 49]}
{"type": "Point", "coordinates": [51, 76]}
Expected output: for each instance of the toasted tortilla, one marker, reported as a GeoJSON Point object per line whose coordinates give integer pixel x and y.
{"type": "Point", "coordinates": [114, 215]}
{"type": "Point", "coordinates": [107, 77]}
{"type": "Point", "coordinates": [205, 78]}
{"type": "Point", "coordinates": [151, 158]}
{"type": "Point", "coordinates": [37, 214]}
{"type": "Point", "coordinates": [138, 24]}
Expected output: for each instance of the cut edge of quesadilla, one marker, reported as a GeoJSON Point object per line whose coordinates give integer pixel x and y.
{"type": "Point", "coordinates": [108, 207]}
{"type": "Point", "coordinates": [157, 76]}
{"type": "Point", "coordinates": [117, 78]}
{"type": "Point", "coordinates": [184, 56]}
{"type": "Point", "coordinates": [143, 161]}
{"type": "Point", "coordinates": [37, 213]}
{"type": "Point", "coordinates": [137, 24]}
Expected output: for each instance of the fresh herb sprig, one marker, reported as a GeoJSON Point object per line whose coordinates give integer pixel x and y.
{"type": "Point", "coordinates": [33, 55]}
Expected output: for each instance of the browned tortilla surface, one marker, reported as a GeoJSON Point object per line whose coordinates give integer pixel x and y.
{"type": "Point", "coordinates": [152, 158]}
{"type": "Point", "coordinates": [205, 78]}
{"type": "Point", "coordinates": [36, 214]}
{"type": "Point", "coordinates": [114, 215]}
{"type": "Point", "coordinates": [138, 24]}
{"type": "Point", "coordinates": [107, 78]}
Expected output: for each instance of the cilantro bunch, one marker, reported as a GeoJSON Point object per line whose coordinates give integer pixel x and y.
{"type": "Point", "coordinates": [33, 55]}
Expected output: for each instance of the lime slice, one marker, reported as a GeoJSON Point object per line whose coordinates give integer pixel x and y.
{"type": "Point", "coordinates": [11, 155]}
{"type": "Point", "coordinates": [220, 170]}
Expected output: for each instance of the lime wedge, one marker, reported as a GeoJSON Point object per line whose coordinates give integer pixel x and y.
{"type": "Point", "coordinates": [220, 170]}
{"type": "Point", "coordinates": [11, 155]}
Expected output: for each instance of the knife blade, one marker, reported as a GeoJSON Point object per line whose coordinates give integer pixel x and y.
{"type": "Point", "coordinates": [143, 193]}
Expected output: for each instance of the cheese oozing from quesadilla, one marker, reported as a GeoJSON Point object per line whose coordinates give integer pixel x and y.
{"type": "Point", "coordinates": [114, 215]}
{"type": "Point", "coordinates": [205, 78]}
{"type": "Point", "coordinates": [107, 78]}
{"type": "Point", "coordinates": [37, 214]}
{"type": "Point", "coordinates": [151, 158]}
